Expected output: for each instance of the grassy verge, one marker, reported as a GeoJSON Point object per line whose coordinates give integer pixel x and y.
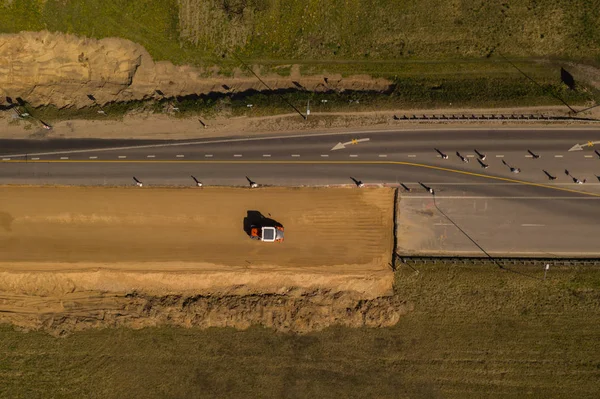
{"type": "Point", "coordinates": [475, 332]}
{"type": "Point", "coordinates": [406, 93]}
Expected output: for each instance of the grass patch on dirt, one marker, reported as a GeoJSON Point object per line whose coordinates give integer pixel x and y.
{"type": "Point", "coordinates": [474, 332]}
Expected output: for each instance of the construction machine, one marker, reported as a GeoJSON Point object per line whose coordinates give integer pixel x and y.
{"type": "Point", "coordinates": [267, 233]}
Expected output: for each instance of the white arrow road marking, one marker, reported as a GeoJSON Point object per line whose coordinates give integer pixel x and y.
{"type": "Point", "coordinates": [341, 146]}
{"type": "Point", "coordinates": [579, 147]}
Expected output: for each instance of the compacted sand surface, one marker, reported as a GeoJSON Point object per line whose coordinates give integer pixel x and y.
{"type": "Point", "coordinates": [324, 227]}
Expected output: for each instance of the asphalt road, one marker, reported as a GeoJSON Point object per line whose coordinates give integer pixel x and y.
{"type": "Point", "coordinates": [504, 212]}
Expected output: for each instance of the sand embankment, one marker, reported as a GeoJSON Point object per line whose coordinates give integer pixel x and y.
{"type": "Point", "coordinates": [79, 257]}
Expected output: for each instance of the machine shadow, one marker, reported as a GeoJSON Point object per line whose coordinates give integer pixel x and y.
{"type": "Point", "coordinates": [255, 218]}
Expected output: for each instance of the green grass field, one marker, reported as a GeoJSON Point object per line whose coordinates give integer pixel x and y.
{"type": "Point", "coordinates": [475, 332]}
{"type": "Point", "coordinates": [198, 31]}
{"type": "Point", "coordinates": [439, 52]}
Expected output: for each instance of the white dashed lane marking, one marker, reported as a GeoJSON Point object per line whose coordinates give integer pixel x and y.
{"type": "Point", "coordinates": [298, 155]}
{"type": "Point", "coordinates": [6, 159]}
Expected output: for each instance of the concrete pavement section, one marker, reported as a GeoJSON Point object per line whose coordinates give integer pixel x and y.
{"type": "Point", "coordinates": [539, 226]}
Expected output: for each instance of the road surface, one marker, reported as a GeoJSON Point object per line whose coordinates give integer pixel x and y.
{"type": "Point", "coordinates": [505, 212]}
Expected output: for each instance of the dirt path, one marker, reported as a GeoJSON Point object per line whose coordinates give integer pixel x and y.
{"type": "Point", "coordinates": [153, 126]}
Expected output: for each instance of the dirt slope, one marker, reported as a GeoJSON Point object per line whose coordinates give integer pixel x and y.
{"type": "Point", "coordinates": [49, 68]}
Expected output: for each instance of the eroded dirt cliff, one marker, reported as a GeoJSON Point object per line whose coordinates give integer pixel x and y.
{"type": "Point", "coordinates": [300, 312]}
{"type": "Point", "coordinates": [46, 68]}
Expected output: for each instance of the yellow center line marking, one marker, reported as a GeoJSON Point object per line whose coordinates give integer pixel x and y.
{"type": "Point", "coordinates": [590, 144]}
{"type": "Point", "coordinates": [354, 141]}
{"type": "Point", "coordinates": [299, 162]}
